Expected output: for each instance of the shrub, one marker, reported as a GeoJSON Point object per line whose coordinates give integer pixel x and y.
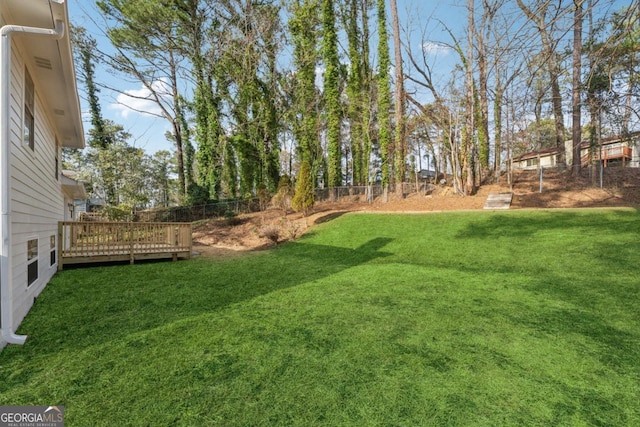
{"type": "Point", "coordinates": [231, 218]}
{"type": "Point", "coordinates": [303, 198]}
{"type": "Point", "coordinates": [263, 196]}
{"type": "Point", "coordinates": [272, 233]}
{"type": "Point", "coordinates": [197, 195]}
{"type": "Point", "coordinates": [284, 194]}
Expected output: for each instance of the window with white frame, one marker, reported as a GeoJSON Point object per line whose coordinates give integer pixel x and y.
{"type": "Point", "coordinates": [32, 260]}
{"type": "Point", "coordinates": [52, 247]}
{"type": "Point", "coordinates": [29, 111]}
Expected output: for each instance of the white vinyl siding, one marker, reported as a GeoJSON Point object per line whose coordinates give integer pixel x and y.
{"type": "Point", "coordinates": [29, 112]}
{"type": "Point", "coordinates": [36, 196]}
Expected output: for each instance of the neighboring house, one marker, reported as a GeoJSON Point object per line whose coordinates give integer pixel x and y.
{"type": "Point", "coordinates": [75, 196]}
{"type": "Point", "coordinates": [547, 158]}
{"type": "Point", "coordinates": [40, 114]}
{"type": "Point", "coordinates": [612, 151]}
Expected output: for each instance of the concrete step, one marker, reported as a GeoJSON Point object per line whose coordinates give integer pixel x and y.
{"type": "Point", "coordinates": [498, 201]}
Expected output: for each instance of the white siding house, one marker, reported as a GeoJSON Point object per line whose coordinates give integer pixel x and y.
{"type": "Point", "coordinates": [547, 158]}
{"type": "Point", "coordinates": [40, 113]}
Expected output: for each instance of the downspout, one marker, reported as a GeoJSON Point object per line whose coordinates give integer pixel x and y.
{"type": "Point", "coordinates": [6, 270]}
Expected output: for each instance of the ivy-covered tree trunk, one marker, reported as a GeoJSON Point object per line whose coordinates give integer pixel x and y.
{"type": "Point", "coordinates": [384, 96]}
{"type": "Point", "coordinates": [303, 25]}
{"type": "Point", "coordinates": [367, 94]}
{"type": "Point", "coordinates": [208, 136]}
{"type": "Point", "coordinates": [270, 111]}
{"type": "Point", "coordinates": [332, 94]}
{"type": "Point", "coordinates": [355, 93]}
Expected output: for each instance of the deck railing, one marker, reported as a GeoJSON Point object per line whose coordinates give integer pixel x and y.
{"type": "Point", "coordinates": [609, 153]}
{"type": "Point", "coordinates": [86, 242]}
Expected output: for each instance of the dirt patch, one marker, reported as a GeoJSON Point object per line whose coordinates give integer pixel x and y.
{"type": "Point", "coordinates": [232, 236]}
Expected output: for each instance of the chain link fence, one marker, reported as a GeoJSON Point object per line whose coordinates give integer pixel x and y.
{"type": "Point", "coordinates": [197, 213]}
{"type": "Point", "coordinates": [361, 194]}
{"type": "Point", "coordinates": [368, 193]}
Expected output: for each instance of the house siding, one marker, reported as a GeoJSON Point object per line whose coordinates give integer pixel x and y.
{"type": "Point", "coordinates": [635, 153]}
{"type": "Point", "coordinates": [546, 161]}
{"type": "Point", "coordinates": [36, 195]}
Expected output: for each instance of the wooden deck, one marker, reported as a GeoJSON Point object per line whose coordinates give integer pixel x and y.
{"type": "Point", "coordinates": [94, 242]}
{"type": "Point", "coordinates": [607, 154]}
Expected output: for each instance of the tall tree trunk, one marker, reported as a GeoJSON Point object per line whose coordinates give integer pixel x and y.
{"type": "Point", "coordinates": [355, 93]}
{"type": "Point", "coordinates": [332, 93]}
{"type": "Point", "coordinates": [303, 25]}
{"type": "Point", "coordinates": [177, 126]}
{"type": "Point", "coordinates": [576, 104]}
{"type": "Point", "coordinates": [367, 98]}
{"type": "Point", "coordinates": [483, 113]}
{"type": "Point", "coordinates": [468, 149]}
{"type": "Point", "coordinates": [497, 121]}
{"type": "Point", "coordinates": [384, 96]}
{"type": "Point", "coordinates": [400, 143]}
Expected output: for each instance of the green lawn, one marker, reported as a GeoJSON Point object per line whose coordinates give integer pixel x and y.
{"type": "Point", "coordinates": [515, 318]}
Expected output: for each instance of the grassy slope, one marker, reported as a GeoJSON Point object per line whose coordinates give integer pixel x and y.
{"type": "Point", "coordinates": [516, 318]}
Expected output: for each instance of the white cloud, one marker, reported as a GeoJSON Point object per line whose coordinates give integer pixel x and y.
{"type": "Point", "coordinates": [140, 100]}
{"type": "Point", "coordinates": [436, 48]}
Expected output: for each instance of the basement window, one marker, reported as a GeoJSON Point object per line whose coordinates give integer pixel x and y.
{"type": "Point", "coordinates": [32, 261]}
{"type": "Point", "coordinates": [52, 247]}
{"type": "Point", "coordinates": [28, 136]}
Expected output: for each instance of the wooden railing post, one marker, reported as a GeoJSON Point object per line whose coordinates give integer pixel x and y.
{"type": "Point", "coordinates": [60, 237]}
{"type": "Point", "coordinates": [131, 243]}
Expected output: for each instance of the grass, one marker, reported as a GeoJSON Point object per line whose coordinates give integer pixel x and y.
{"type": "Point", "coordinates": [515, 318]}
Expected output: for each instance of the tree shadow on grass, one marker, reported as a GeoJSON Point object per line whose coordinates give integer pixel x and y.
{"type": "Point", "coordinates": [329, 217]}
{"type": "Point", "coordinates": [506, 225]}
{"type": "Point", "coordinates": [85, 307]}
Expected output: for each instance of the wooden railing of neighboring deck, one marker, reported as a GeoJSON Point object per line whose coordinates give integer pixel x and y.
{"type": "Point", "coordinates": [92, 242]}
{"type": "Point", "coordinates": [609, 153]}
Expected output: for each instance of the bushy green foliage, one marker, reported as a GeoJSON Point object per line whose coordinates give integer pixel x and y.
{"type": "Point", "coordinates": [332, 93]}
{"type": "Point", "coordinates": [303, 198]}
{"type": "Point", "coordinates": [303, 26]}
{"type": "Point", "coordinates": [197, 195]}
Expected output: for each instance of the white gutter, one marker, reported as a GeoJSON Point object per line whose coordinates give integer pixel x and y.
{"type": "Point", "coordinates": [6, 274]}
